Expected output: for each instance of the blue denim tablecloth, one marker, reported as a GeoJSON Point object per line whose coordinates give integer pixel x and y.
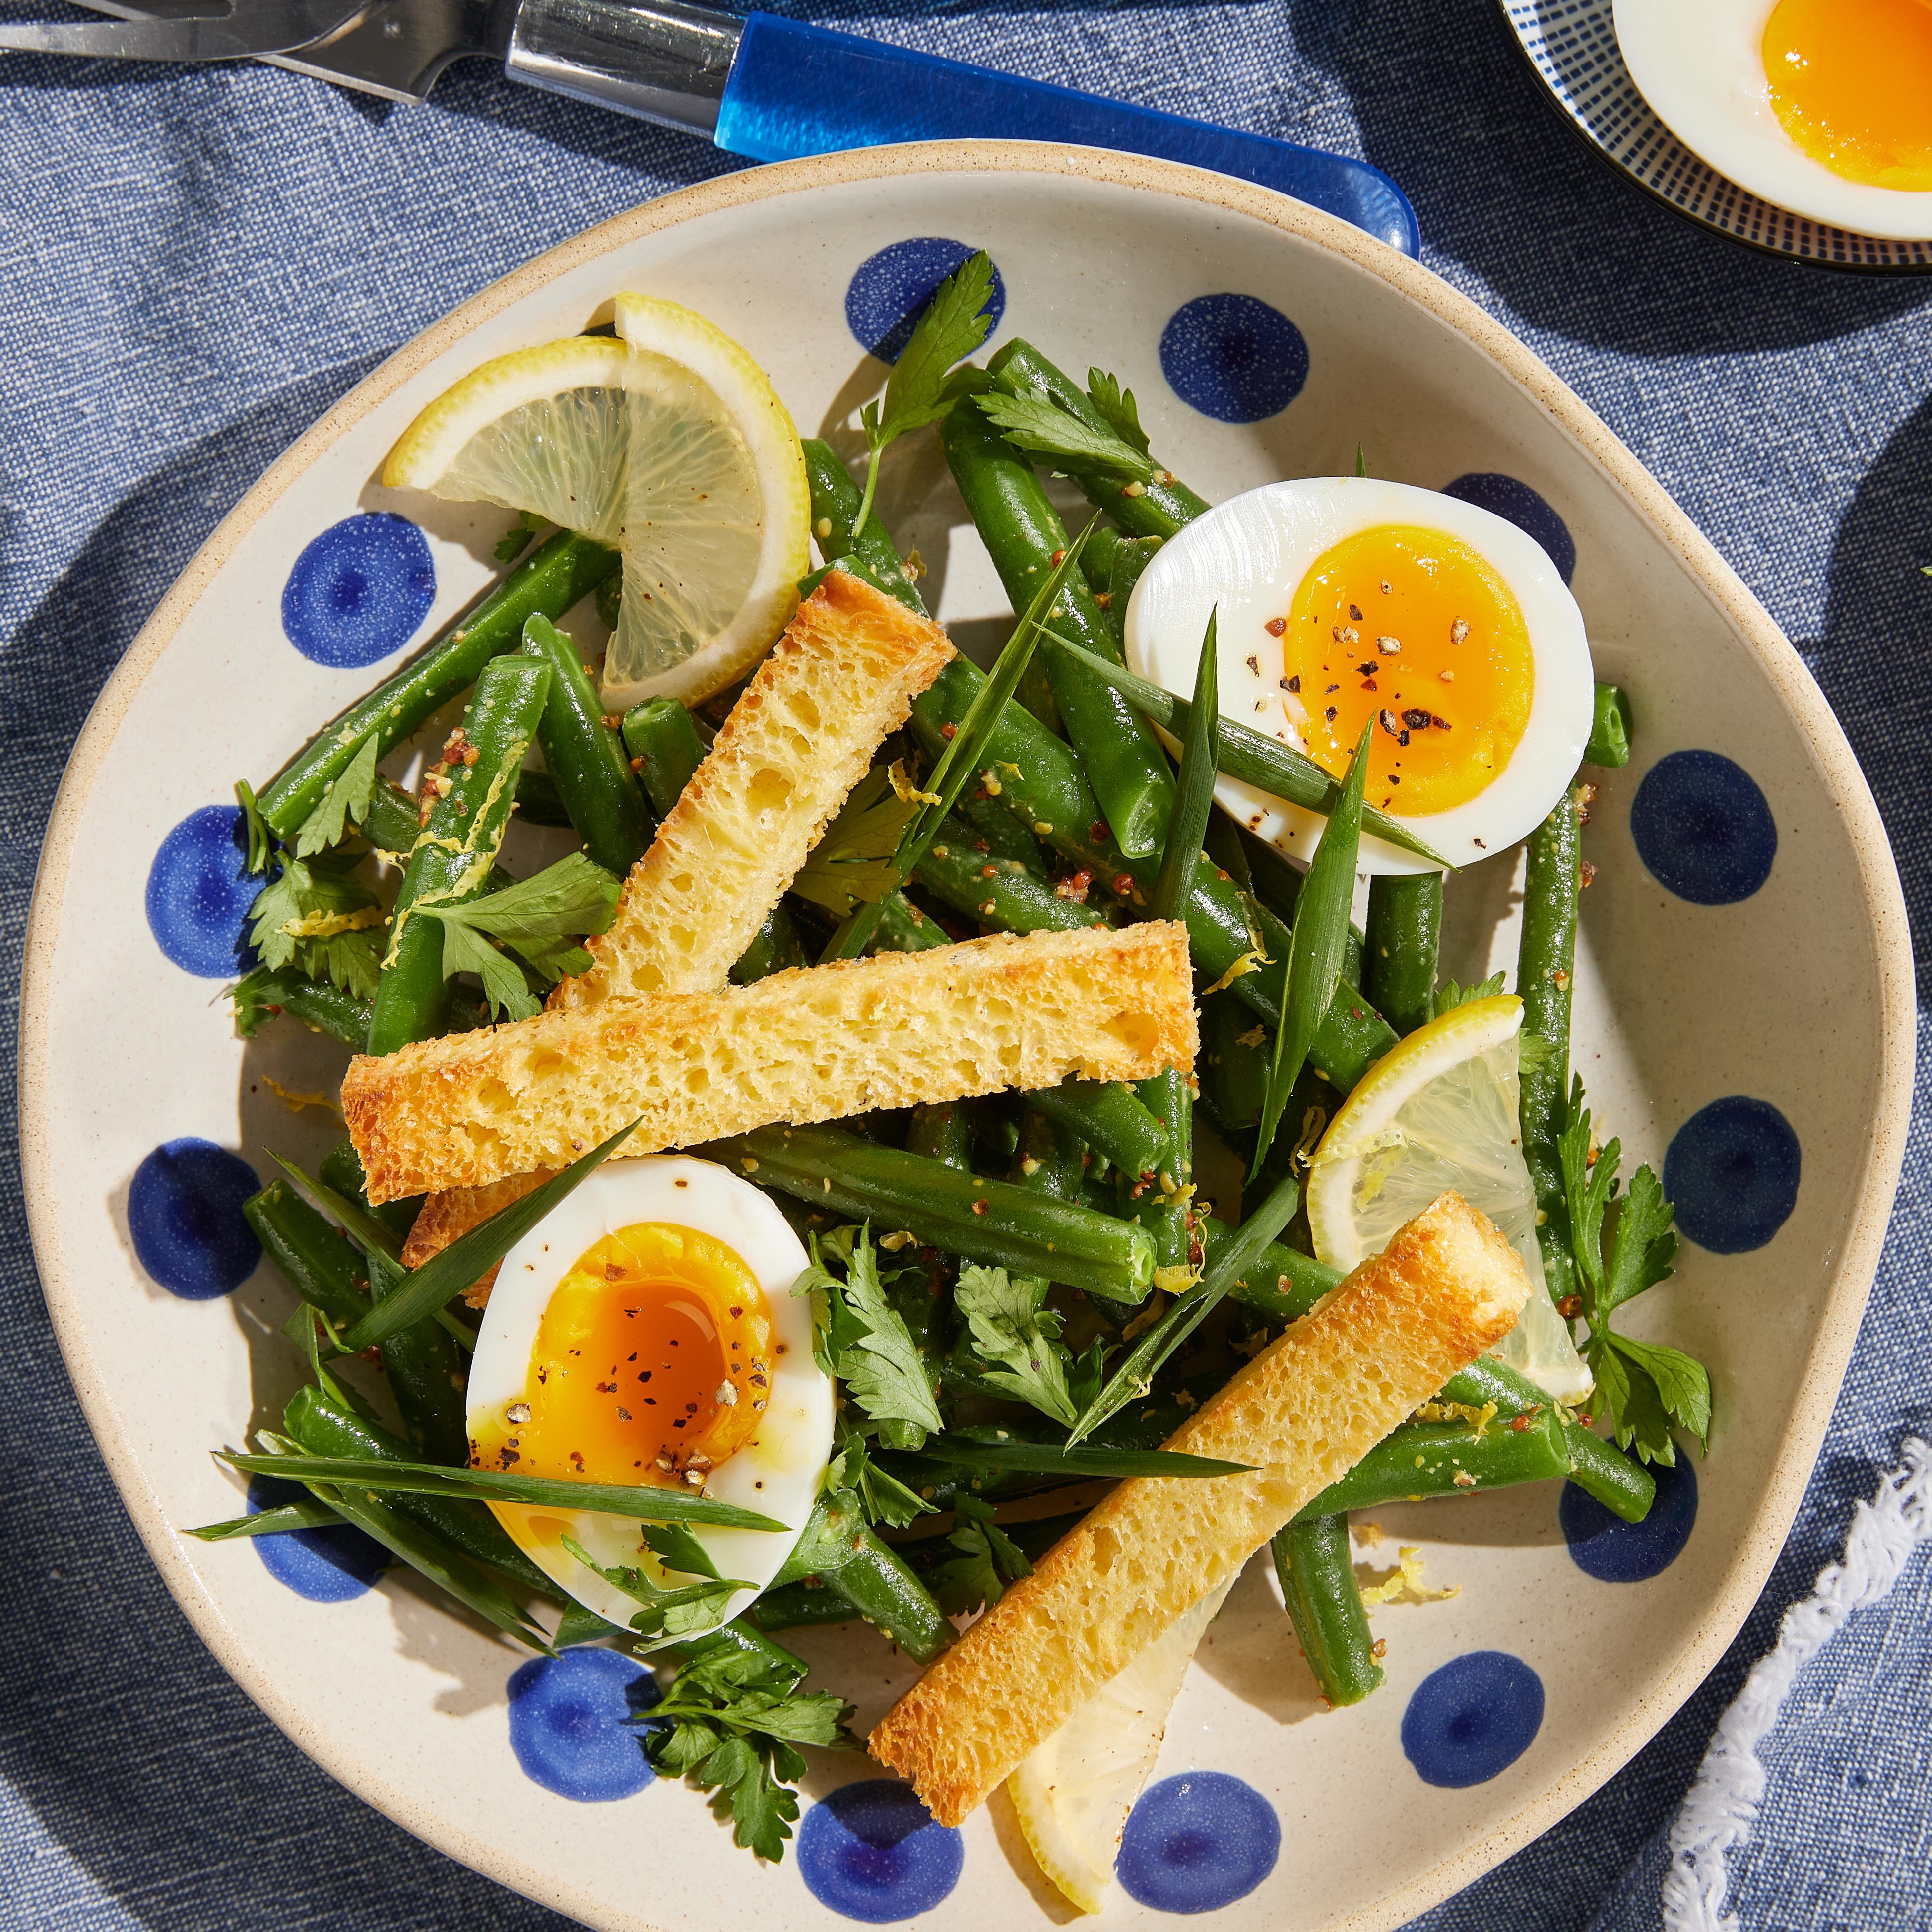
{"type": "Point", "coordinates": [193, 265]}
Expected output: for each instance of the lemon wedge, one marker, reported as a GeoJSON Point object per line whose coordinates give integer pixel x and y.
{"type": "Point", "coordinates": [1072, 1794]}
{"type": "Point", "coordinates": [1439, 1112]}
{"type": "Point", "coordinates": [667, 442]}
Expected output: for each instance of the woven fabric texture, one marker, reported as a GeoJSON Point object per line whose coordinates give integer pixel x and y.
{"type": "Point", "coordinates": [194, 264]}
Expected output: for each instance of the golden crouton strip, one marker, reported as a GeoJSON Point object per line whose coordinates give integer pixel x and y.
{"type": "Point", "coordinates": [799, 737]}
{"type": "Point", "coordinates": [844, 675]}
{"type": "Point", "coordinates": [813, 1045]}
{"type": "Point", "coordinates": [1304, 1411]}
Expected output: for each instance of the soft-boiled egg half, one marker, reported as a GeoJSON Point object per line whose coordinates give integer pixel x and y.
{"type": "Point", "coordinates": [1345, 600]}
{"type": "Point", "coordinates": [645, 1332]}
{"type": "Point", "coordinates": [1823, 107]}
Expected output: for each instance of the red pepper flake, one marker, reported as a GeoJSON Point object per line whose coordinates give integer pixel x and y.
{"type": "Point", "coordinates": [1097, 833]}
{"type": "Point", "coordinates": [1074, 887]}
{"type": "Point", "coordinates": [1570, 1307]}
{"type": "Point", "coordinates": [1058, 557]}
{"type": "Point", "coordinates": [948, 732]}
{"type": "Point", "coordinates": [1585, 872]}
{"type": "Point", "coordinates": [1275, 626]}
{"type": "Point", "coordinates": [1123, 884]}
{"type": "Point", "coordinates": [1369, 684]}
{"type": "Point", "coordinates": [1519, 1425]}
{"type": "Point", "coordinates": [979, 1207]}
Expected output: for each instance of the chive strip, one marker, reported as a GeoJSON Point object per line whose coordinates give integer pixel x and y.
{"type": "Point", "coordinates": [1313, 968]}
{"type": "Point", "coordinates": [961, 759]}
{"type": "Point", "coordinates": [1194, 797]}
{"type": "Point", "coordinates": [1051, 1459]}
{"type": "Point", "coordinates": [1135, 1376]}
{"type": "Point", "coordinates": [644, 1502]}
{"type": "Point", "coordinates": [441, 1280]}
{"type": "Point", "coordinates": [310, 1513]}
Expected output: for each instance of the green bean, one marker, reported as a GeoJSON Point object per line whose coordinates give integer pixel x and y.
{"type": "Point", "coordinates": [996, 832]}
{"type": "Point", "coordinates": [1041, 780]}
{"type": "Point", "coordinates": [1404, 933]}
{"type": "Point", "coordinates": [1108, 1116]}
{"type": "Point", "coordinates": [988, 1221]}
{"type": "Point", "coordinates": [1420, 1460]}
{"type": "Point", "coordinates": [1546, 959]}
{"type": "Point", "coordinates": [455, 851]}
{"type": "Point", "coordinates": [776, 947]}
{"type": "Point", "coordinates": [804, 1605]}
{"type": "Point", "coordinates": [1023, 532]}
{"type": "Point", "coordinates": [1130, 558]}
{"type": "Point", "coordinates": [1622, 1486]}
{"type": "Point", "coordinates": [586, 757]}
{"type": "Point", "coordinates": [944, 1131]}
{"type": "Point", "coordinates": [1233, 1067]}
{"type": "Point", "coordinates": [550, 580]}
{"type": "Point", "coordinates": [394, 823]}
{"type": "Point", "coordinates": [323, 1429]}
{"type": "Point", "coordinates": [1612, 728]}
{"type": "Point", "coordinates": [321, 1264]}
{"type": "Point", "coordinates": [427, 1374]}
{"type": "Point", "coordinates": [1283, 1284]}
{"type": "Point", "coordinates": [836, 498]}
{"type": "Point", "coordinates": [1052, 1158]}
{"type": "Point", "coordinates": [1006, 894]}
{"type": "Point", "coordinates": [1096, 562]}
{"type": "Point", "coordinates": [1157, 1199]}
{"type": "Point", "coordinates": [539, 802]}
{"type": "Point", "coordinates": [1317, 1569]}
{"type": "Point", "coordinates": [661, 737]}
{"type": "Point", "coordinates": [903, 927]}
{"type": "Point", "coordinates": [1156, 508]}
{"type": "Point", "coordinates": [319, 1006]}
{"type": "Point", "coordinates": [841, 1548]}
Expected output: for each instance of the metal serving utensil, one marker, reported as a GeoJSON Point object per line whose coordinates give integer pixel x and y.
{"type": "Point", "coordinates": [246, 29]}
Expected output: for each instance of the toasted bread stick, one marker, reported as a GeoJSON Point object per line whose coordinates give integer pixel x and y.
{"type": "Point", "coordinates": [812, 1045]}
{"type": "Point", "coordinates": [1305, 1410]}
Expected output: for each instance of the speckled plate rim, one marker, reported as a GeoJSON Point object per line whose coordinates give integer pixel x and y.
{"type": "Point", "coordinates": [1691, 216]}
{"type": "Point", "coordinates": [1678, 1675]}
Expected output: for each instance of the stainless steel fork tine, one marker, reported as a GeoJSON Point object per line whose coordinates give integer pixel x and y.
{"type": "Point", "coordinates": [249, 27]}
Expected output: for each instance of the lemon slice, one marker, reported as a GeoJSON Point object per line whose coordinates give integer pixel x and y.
{"type": "Point", "coordinates": [668, 444]}
{"type": "Point", "coordinates": [1436, 1112]}
{"type": "Point", "coordinates": [1072, 1794]}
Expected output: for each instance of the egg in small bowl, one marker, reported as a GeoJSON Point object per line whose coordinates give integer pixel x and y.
{"type": "Point", "coordinates": [1823, 107]}
{"type": "Point", "coordinates": [645, 1332]}
{"type": "Point", "coordinates": [1345, 601]}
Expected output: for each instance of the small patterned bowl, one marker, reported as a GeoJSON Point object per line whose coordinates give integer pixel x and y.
{"type": "Point", "coordinates": [1743, 1016]}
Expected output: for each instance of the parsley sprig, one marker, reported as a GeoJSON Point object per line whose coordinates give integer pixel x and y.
{"type": "Point", "coordinates": [1643, 1387]}
{"type": "Point", "coordinates": [685, 1610]}
{"type": "Point", "coordinates": [987, 1561]}
{"type": "Point", "coordinates": [731, 1722]}
{"type": "Point", "coordinates": [951, 327]}
{"type": "Point", "coordinates": [1016, 1338]}
{"type": "Point", "coordinates": [542, 919]}
{"type": "Point", "coordinates": [316, 915]}
{"type": "Point", "coordinates": [860, 1338]}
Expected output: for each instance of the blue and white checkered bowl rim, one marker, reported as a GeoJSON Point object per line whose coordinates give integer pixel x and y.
{"type": "Point", "coordinates": [1572, 44]}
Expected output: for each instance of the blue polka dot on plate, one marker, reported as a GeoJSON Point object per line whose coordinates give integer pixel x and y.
{"type": "Point", "coordinates": [1732, 1170]}
{"type": "Point", "coordinates": [1197, 1842]}
{"type": "Point", "coordinates": [1472, 1718]}
{"type": "Point", "coordinates": [1604, 1546]}
{"type": "Point", "coordinates": [1703, 829]}
{"type": "Point", "coordinates": [1517, 503]}
{"type": "Point", "coordinates": [1233, 357]}
{"type": "Point", "coordinates": [359, 591]}
{"type": "Point", "coordinates": [184, 1215]}
{"type": "Point", "coordinates": [871, 1851]}
{"type": "Point", "coordinates": [569, 1727]}
{"type": "Point", "coordinates": [889, 289]}
{"type": "Point", "coordinates": [200, 889]}
{"type": "Point", "coordinates": [326, 1566]}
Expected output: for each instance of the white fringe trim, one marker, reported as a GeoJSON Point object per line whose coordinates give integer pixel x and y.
{"type": "Point", "coordinates": [1721, 1807]}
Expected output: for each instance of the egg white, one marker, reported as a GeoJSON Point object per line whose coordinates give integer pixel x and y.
{"type": "Point", "coordinates": [1701, 68]}
{"type": "Point", "coordinates": [1246, 557]}
{"type": "Point", "coordinates": [776, 1473]}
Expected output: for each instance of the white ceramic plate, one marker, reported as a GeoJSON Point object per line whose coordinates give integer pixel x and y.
{"type": "Point", "coordinates": [1779, 987]}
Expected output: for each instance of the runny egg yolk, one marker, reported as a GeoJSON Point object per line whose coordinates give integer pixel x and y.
{"type": "Point", "coordinates": [652, 1363]}
{"type": "Point", "coordinates": [1413, 631]}
{"type": "Point", "coordinates": [1851, 80]}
